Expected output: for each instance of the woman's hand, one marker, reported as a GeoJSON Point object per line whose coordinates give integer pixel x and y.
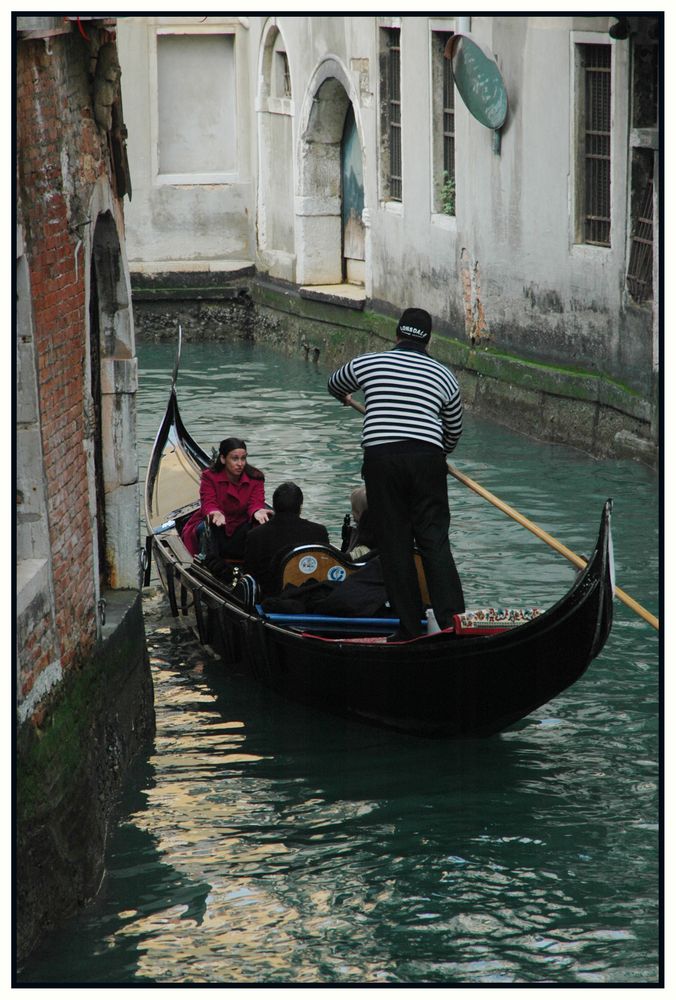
{"type": "Point", "coordinates": [218, 518]}
{"type": "Point", "coordinates": [262, 515]}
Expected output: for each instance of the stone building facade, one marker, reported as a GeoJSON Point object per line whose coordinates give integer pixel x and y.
{"type": "Point", "coordinates": [83, 688]}
{"type": "Point", "coordinates": [336, 157]}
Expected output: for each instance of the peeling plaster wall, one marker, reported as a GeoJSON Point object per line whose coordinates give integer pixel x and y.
{"type": "Point", "coordinates": [543, 295]}
{"type": "Point", "coordinates": [504, 272]}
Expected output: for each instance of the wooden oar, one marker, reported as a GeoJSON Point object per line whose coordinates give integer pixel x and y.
{"type": "Point", "coordinates": [531, 526]}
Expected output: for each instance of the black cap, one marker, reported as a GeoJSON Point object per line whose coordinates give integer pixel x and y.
{"type": "Point", "coordinates": [416, 324]}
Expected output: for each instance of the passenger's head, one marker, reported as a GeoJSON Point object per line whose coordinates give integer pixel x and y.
{"type": "Point", "coordinates": [415, 325]}
{"type": "Point", "coordinates": [358, 502]}
{"type": "Point", "coordinates": [232, 456]}
{"type": "Point", "coordinates": [287, 499]}
{"type": "Point", "coordinates": [231, 444]}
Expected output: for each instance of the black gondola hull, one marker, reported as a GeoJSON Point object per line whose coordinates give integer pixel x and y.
{"type": "Point", "coordinates": [444, 685]}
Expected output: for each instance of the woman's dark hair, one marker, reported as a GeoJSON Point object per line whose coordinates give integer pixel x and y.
{"type": "Point", "coordinates": [233, 444]}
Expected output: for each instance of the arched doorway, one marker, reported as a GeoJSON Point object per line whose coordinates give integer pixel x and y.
{"type": "Point", "coordinates": [331, 240]}
{"type": "Point", "coordinates": [113, 467]}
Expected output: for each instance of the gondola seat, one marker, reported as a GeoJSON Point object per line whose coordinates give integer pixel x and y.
{"type": "Point", "coordinates": [312, 562]}
{"type": "Point", "coordinates": [325, 562]}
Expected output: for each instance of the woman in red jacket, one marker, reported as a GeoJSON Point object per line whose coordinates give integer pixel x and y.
{"type": "Point", "coordinates": [232, 495]}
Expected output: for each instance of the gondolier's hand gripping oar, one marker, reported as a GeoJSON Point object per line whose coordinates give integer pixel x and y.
{"type": "Point", "coordinates": [530, 525]}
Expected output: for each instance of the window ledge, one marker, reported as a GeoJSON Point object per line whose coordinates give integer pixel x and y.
{"type": "Point", "coordinates": [444, 221]}
{"type": "Point", "coordinates": [588, 250]}
{"type": "Point", "coordinates": [194, 180]}
{"type": "Point", "coordinates": [393, 207]}
{"type": "Point", "coordinates": [277, 106]}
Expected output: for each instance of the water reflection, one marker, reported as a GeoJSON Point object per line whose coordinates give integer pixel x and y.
{"type": "Point", "coordinates": [323, 851]}
{"type": "Point", "coordinates": [269, 843]}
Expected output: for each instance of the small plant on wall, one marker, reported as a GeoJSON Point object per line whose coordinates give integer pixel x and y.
{"type": "Point", "coordinates": [448, 194]}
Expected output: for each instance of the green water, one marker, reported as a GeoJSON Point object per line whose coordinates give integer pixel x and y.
{"type": "Point", "coordinates": [262, 843]}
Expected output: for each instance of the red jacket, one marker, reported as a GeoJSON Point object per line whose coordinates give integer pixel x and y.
{"type": "Point", "coordinates": [238, 501]}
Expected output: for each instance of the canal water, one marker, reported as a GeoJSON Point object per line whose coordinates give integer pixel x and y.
{"type": "Point", "coordinates": [263, 843]}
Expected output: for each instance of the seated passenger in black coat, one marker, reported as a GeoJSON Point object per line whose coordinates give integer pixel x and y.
{"type": "Point", "coordinates": [283, 532]}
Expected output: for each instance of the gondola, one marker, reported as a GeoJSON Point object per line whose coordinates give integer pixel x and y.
{"type": "Point", "coordinates": [491, 670]}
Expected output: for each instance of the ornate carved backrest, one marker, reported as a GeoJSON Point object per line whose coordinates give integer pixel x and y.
{"type": "Point", "coordinates": [318, 562]}
{"type": "Point", "coordinates": [324, 562]}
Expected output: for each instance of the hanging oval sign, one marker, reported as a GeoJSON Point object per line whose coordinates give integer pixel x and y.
{"type": "Point", "coordinates": [478, 80]}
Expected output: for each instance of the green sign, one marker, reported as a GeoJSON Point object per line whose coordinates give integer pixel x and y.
{"type": "Point", "coordinates": [478, 80]}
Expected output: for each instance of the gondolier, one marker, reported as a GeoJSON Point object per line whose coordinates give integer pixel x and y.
{"type": "Point", "coordinates": [413, 420]}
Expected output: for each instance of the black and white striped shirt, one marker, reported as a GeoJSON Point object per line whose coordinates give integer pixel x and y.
{"type": "Point", "coordinates": [408, 395]}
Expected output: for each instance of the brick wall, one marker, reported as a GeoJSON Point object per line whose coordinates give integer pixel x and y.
{"type": "Point", "coordinates": [61, 153]}
{"type": "Point", "coordinates": [84, 692]}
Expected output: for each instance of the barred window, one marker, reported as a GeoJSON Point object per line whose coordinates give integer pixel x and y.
{"type": "Point", "coordinates": [640, 273]}
{"type": "Point", "coordinates": [595, 64]}
{"type": "Point", "coordinates": [449, 120]}
{"type": "Point", "coordinates": [443, 126]}
{"type": "Point", "coordinates": [644, 154]}
{"type": "Point", "coordinates": [391, 111]}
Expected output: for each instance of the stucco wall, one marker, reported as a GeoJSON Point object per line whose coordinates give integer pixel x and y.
{"type": "Point", "coordinates": [504, 271]}
{"type": "Point", "coordinates": [545, 295]}
{"type": "Point", "coordinates": [201, 212]}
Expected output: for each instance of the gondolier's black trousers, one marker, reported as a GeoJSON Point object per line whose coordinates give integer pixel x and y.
{"type": "Point", "coordinates": [407, 495]}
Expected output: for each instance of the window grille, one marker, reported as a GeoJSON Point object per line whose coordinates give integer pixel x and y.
{"type": "Point", "coordinates": [442, 126]}
{"type": "Point", "coordinates": [640, 274]}
{"type": "Point", "coordinates": [597, 114]}
{"type": "Point", "coordinates": [449, 120]}
{"type": "Point", "coordinates": [645, 114]}
{"type": "Point", "coordinates": [394, 112]}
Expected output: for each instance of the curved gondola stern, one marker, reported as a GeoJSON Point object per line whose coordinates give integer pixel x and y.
{"type": "Point", "coordinates": [161, 438]}
{"type": "Point", "coordinates": [177, 362]}
{"type": "Point", "coordinates": [606, 570]}
{"type": "Point", "coordinates": [174, 449]}
{"type": "Point", "coordinates": [590, 599]}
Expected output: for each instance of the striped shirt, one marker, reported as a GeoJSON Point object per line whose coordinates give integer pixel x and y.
{"type": "Point", "coordinates": [408, 395]}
